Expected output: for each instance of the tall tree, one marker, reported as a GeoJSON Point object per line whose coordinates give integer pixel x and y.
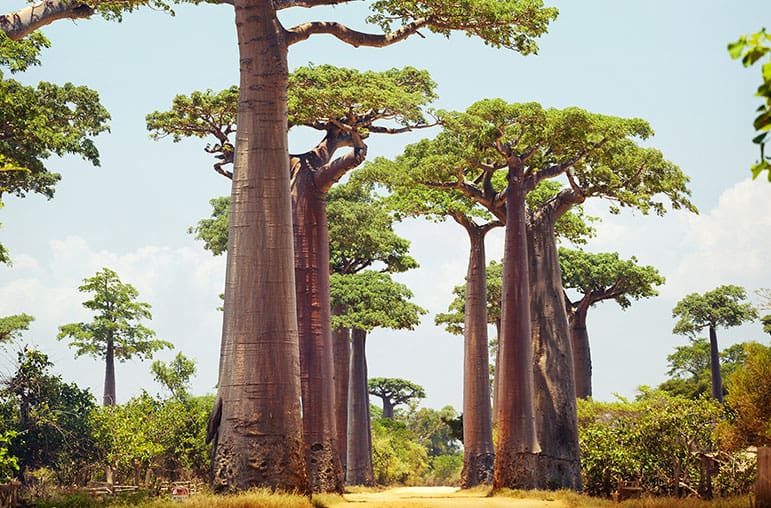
{"type": "Point", "coordinates": [496, 153]}
{"type": "Point", "coordinates": [752, 48]}
{"type": "Point", "coordinates": [724, 306]}
{"type": "Point", "coordinates": [394, 391]}
{"type": "Point", "coordinates": [12, 326]}
{"type": "Point", "coordinates": [598, 277]}
{"type": "Point", "coordinates": [116, 331]}
{"type": "Point", "coordinates": [369, 300]}
{"type": "Point", "coordinates": [346, 105]}
{"type": "Point", "coordinates": [260, 254]}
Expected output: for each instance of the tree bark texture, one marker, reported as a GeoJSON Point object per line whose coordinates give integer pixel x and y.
{"type": "Point", "coordinates": [556, 417]}
{"type": "Point", "coordinates": [478, 451]}
{"type": "Point", "coordinates": [256, 426]}
{"type": "Point", "coordinates": [359, 469]}
{"type": "Point", "coordinates": [23, 22]}
{"type": "Point", "coordinates": [315, 335]}
{"type": "Point", "coordinates": [108, 399]}
{"type": "Point", "coordinates": [516, 452]}
{"type": "Point", "coordinates": [714, 361]}
{"type": "Point", "coordinates": [582, 355]}
{"type": "Point", "coordinates": [341, 339]}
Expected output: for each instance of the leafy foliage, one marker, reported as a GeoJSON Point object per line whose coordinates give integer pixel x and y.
{"type": "Point", "coordinates": [49, 418]}
{"type": "Point", "coordinates": [12, 326]}
{"type": "Point", "coordinates": [689, 367]}
{"type": "Point", "coordinates": [8, 463]}
{"type": "Point", "coordinates": [749, 400]}
{"type": "Point", "coordinates": [605, 276]}
{"type": "Point", "coordinates": [117, 320]}
{"type": "Point", "coordinates": [396, 457]}
{"type": "Point", "coordinates": [175, 376]}
{"type": "Point", "coordinates": [652, 439]}
{"type": "Point", "coordinates": [753, 48]}
{"type": "Point", "coordinates": [372, 300]}
{"type": "Point", "coordinates": [722, 307]}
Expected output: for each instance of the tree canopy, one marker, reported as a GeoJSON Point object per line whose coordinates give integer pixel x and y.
{"type": "Point", "coordinates": [12, 326]}
{"type": "Point", "coordinates": [175, 375]}
{"type": "Point", "coordinates": [394, 392]}
{"type": "Point", "coordinates": [722, 307]}
{"type": "Point", "coordinates": [753, 48]}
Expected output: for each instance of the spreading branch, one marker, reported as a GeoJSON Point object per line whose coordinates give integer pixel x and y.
{"type": "Point", "coordinates": [23, 22]}
{"type": "Point", "coordinates": [353, 37]}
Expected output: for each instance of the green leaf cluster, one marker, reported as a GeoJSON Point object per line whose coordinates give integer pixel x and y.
{"type": "Point", "coordinates": [175, 375]}
{"type": "Point", "coordinates": [12, 326]}
{"type": "Point", "coordinates": [397, 390]}
{"type": "Point", "coordinates": [605, 275]}
{"type": "Point", "coordinates": [724, 306]}
{"type": "Point", "coordinates": [513, 24]}
{"type": "Point", "coordinates": [372, 300]}
{"type": "Point", "coordinates": [361, 232]}
{"type": "Point", "coordinates": [48, 417]}
{"type": "Point", "coordinates": [199, 115]}
{"type": "Point", "coordinates": [321, 94]}
{"type": "Point", "coordinates": [751, 49]}
{"type": "Point", "coordinates": [8, 463]}
{"type": "Point", "coordinates": [117, 321]}
{"type": "Point", "coordinates": [397, 458]}
{"type": "Point", "coordinates": [19, 55]}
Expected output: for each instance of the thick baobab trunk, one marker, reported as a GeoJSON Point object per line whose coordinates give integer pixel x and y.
{"type": "Point", "coordinates": [341, 343]}
{"type": "Point", "coordinates": [714, 362]}
{"type": "Point", "coordinates": [359, 463]}
{"type": "Point", "coordinates": [478, 451]}
{"type": "Point", "coordinates": [555, 401]}
{"type": "Point", "coordinates": [582, 355]}
{"type": "Point", "coordinates": [516, 452]}
{"type": "Point", "coordinates": [256, 426]}
{"type": "Point", "coordinates": [108, 398]}
{"type": "Point", "coordinates": [315, 334]}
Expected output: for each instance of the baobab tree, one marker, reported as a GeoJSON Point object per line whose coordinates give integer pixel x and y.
{"type": "Point", "coordinates": [598, 277]}
{"type": "Point", "coordinates": [724, 306]}
{"type": "Point", "coordinates": [368, 300]}
{"type": "Point", "coordinates": [394, 391]}
{"type": "Point", "coordinates": [346, 106]}
{"type": "Point", "coordinates": [257, 414]}
{"type": "Point", "coordinates": [510, 149]}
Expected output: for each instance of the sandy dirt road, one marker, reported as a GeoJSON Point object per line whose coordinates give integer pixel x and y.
{"type": "Point", "coordinates": [439, 497]}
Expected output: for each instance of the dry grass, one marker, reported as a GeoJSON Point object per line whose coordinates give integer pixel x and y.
{"type": "Point", "coordinates": [574, 500]}
{"type": "Point", "coordinates": [258, 498]}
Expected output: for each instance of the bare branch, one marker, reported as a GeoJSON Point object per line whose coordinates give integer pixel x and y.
{"type": "Point", "coordinates": [25, 21]}
{"type": "Point", "coordinates": [353, 37]}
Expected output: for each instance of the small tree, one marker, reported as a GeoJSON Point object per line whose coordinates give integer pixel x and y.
{"type": "Point", "coordinates": [175, 376]}
{"type": "Point", "coordinates": [115, 332]}
{"type": "Point", "coordinates": [394, 392]}
{"type": "Point", "coordinates": [689, 367]}
{"type": "Point", "coordinates": [723, 306]}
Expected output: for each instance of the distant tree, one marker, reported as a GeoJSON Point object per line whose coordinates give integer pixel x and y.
{"type": "Point", "coordinates": [724, 306]}
{"type": "Point", "coordinates": [689, 367]}
{"type": "Point", "coordinates": [12, 326]}
{"type": "Point", "coordinates": [369, 300]}
{"type": "Point", "coordinates": [765, 320]}
{"type": "Point", "coordinates": [752, 48]}
{"type": "Point", "coordinates": [394, 392]}
{"type": "Point", "coordinates": [598, 277]}
{"type": "Point", "coordinates": [49, 417]}
{"type": "Point", "coordinates": [175, 376]}
{"type": "Point", "coordinates": [116, 331]}
{"type": "Point", "coordinates": [433, 428]}
{"type": "Point", "coordinates": [749, 400]}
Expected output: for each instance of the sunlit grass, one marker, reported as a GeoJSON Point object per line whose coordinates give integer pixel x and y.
{"type": "Point", "coordinates": [256, 498]}
{"type": "Point", "coordinates": [575, 500]}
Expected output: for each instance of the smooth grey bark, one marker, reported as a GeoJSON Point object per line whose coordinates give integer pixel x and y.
{"type": "Point", "coordinates": [341, 339]}
{"type": "Point", "coordinates": [559, 466]}
{"type": "Point", "coordinates": [359, 469]}
{"type": "Point", "coordinates": [256, 425]}
{"type": "Point", "coordinates": [582, 355]}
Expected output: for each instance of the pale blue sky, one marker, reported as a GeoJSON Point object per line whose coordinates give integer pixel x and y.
{"type": "Point", "coordinates": [660, 60]}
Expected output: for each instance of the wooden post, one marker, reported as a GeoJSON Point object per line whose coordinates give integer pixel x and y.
{"type": "Point", "coordinates": [763, 482]}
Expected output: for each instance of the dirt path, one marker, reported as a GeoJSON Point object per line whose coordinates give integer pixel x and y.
{"type": "Point", "coordinates": [442, 497]}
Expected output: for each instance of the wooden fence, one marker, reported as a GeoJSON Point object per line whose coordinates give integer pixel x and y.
{"type": "Point", "coordinates": [763, 482]}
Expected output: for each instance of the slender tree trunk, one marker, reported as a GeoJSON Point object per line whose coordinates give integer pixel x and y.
{"type": "Point", "coordinates": [516, 452]}
{"type": "Point", "coordinates": [496, 377]}
{"type": "Point", "coordinates": [555, 400]}
{"type": "Point", "coordinates": [341, 342]}
{"type": "Point", "coordinates": [582, 355]}
{"type": "Point", "coordinates": [388, 408]}
{"type": "Point", "coordinates": [109, 374]}
{"type": "Point", "coordinates": [315, 336]}
{"type": "Point", "coordinates": [256, 426]}
{"type": "Point", "coordinates": [714, 360]}
{"type": "Point", "coordinates": [359, 464]}
{"type": "Point", "coordinates": [478, 452]}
